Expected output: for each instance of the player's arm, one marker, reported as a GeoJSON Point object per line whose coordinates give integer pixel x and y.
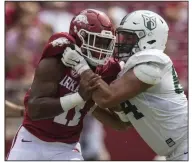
{"type": "Point", "coordinates": [133, 82]}
{"type": "Point", "coordinates": [109, 118]}
{"type": "Point", "coordinates": [44, 101]}
{"type": "Point", "coordinates": [13, 110]}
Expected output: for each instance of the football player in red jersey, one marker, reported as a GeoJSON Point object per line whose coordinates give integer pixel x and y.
{"type": "Point", "coordinates": [54, 110]}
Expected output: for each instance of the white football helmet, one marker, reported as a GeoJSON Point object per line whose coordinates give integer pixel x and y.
{"type": "Point", "coordinates": [141, 30]}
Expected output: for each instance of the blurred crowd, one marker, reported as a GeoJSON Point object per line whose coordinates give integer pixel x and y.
{"type": "Point", "coordinates": [28, 25]}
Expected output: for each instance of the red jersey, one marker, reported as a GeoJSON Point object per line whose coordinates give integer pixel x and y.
{"type": "Point", "coordinates": [67, 126]}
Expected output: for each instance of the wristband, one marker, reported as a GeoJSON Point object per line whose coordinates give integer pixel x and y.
{"type": "Point", "coordinates": [70, 101]}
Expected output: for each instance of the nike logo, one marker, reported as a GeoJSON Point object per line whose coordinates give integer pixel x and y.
{"type": "Point", "coordinates": [25, 140]}
{"type": "Point", "coordinates": [185, 152]}
{"type": "Point", "coordinates": [76, 61]}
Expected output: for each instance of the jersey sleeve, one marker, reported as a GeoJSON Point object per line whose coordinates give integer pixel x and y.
{"type": "Point", "coordinates": [149, 73]}
{"type": "Point", "coordinates": [151, 55]}
{"type": "Point", "coordinates": [57, 44]}
{"type": "Point", "coordinates": [149, 66]}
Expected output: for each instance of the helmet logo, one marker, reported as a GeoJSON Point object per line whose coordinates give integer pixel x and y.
{"type": "Point", "coordinates": [81, 19]}
{"type": "Point", "coordinates": [150, 22]}
{"type": "Point", "coordinates": [60, 42]}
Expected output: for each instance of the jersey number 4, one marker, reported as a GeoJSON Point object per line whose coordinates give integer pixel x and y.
{"type": "Point", "coordinates": [128, 107]}
{"type": "Point", "coordinates": [177, 85]}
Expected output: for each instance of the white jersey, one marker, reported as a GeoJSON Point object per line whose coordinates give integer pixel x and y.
{"type": "Point", "coordinates": [160, 113]}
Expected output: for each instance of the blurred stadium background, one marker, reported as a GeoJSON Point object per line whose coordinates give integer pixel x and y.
{"type": "Point", "coordinates": [28, 25]}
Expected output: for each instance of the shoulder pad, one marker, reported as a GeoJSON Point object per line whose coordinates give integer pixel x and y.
{"type": "Point", "coordinates": [151, 55]}
{"type": "Point", "coordinates": [149, 73]}
{"type": "Point", "coordinates": [57, 44]}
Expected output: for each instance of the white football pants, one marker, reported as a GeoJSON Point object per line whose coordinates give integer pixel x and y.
{"type": "Point", "coordinates": [26, 146]}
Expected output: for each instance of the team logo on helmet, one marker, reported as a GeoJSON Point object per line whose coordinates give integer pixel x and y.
{"type": "Point", "coordinates": [150, 22]}
{"type": "Point", "coordinates": [60, 42]}
{"type": "Point", "coordinates": [81, 18]}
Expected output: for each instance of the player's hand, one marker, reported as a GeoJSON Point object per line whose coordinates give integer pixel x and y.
{"type": "Point", "coordinates": [72, 58]}
{"type": "Point", "coordinates": [88, 85]}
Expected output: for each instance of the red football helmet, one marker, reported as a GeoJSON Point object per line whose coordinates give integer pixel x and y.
{"type": "Point", "coordinates": [94, 33]}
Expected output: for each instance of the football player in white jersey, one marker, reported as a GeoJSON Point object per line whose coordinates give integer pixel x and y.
{"type": "Point", "coordinates": [147, 88]}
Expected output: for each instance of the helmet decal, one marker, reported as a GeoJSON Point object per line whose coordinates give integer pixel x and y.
{"type": "Point", "coordinates": [60, 42]}
{"type": "Point", "coordinates": [123, 20]}
{"type": "Point", "coordinates": [81, 18]}
{"type": "Point", "coordinates": [149, 22]}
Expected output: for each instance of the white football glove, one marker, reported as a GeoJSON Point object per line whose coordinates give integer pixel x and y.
{"type": "Point", "coordinates": [72, 58]}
